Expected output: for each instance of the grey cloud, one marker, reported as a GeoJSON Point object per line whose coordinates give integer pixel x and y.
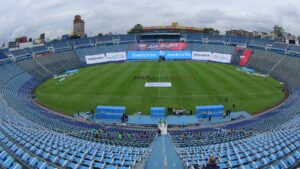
{"type": "Point", "coordinates": [54, 17]}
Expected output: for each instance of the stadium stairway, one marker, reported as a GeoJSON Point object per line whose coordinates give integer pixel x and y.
{"type": "Point", "coordinates": [164, 154]}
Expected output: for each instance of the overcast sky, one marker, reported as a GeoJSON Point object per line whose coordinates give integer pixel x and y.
{"type": "Point", "coordinates": [54, 17]}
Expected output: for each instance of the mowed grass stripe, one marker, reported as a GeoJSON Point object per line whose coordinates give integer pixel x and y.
{"type": "Point", "coordinates": [213, 80]}
{"type": "Point", "coordinates": [95, 84]}
{"type": "Point", "coordinates": [109, 78]}
{"type": "Point", "coordinates": [181, 85]}
{"type": "Point", "coordinates": [113, 84]}
{"type": "Point", "coordinates": [77, 96]}
{"type": "Point", "coordinates": [261, 90]}
{"type": "Point", "coordinates": [243, 77]}
{"type": "Point", "coordinates": [212, 83]}
{"type": "Point", "coordinates": [220, 81]}
{"type": "Point", "coordinates": [150, 94]}
{"type": "Point", "coordinates": [232, 85]}
{"type": "Point", "coordinates": [201, 77]}
{"type": "Point", "coordinates": [260, 85]}
{"type": "Point", "coordinates": [85, 78]}
{"type": "Point", "coordinates": [75, 81]}
{"type": "Point", "coordinates": [124, 85]}
{"type": "Point", "coordinates": [140, 103]}
{"type": "Point", "coordinates": [169, 69]}
{"type": "Point", "coordinates": [201, 84]}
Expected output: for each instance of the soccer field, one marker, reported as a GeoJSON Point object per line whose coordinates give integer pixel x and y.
{"type": "Point", "coordinates": [193, 84]}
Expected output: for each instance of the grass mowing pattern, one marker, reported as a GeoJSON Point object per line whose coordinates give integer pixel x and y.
{"type": "Point", "coordinates": [114, 85]}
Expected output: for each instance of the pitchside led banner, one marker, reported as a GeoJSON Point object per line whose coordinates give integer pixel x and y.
{"type": "Point", "coordinates": [201, 56]}
{"type": "Point", "coordinates": [177, 55]}
{"type": "Point", "coordinates": [154, 55]}
{"type": "Point", "coordinates": [142, 55]}
{"type": "Point", "coordinates": [115, 57]}
{"type": "Point", "coordinates": [93, 59]}
{"type": "Point", "coordinates": [102, 58]}
{"type": "Point", "coordinates": [222, 58]}
{"type": "Point", "coordinates": [214, 57]}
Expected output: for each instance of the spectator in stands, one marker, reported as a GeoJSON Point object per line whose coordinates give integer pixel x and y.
{"type": "Point", "coordinates": [230, 110]}
{"type": "Point", "coordinates": [226, 113]}
{"type": "Point", "coordinates": [120, 136]}
{"type": "Point", "coordinates": [129, 136]}
{"type": "Point", "coordinates": [93, 113]}
{"type": "Point", "coordinates": [159, 132]}
{"type": "Point", "coordinates": [123, 118]}
{"type": "Point", "coordinates": [211, 164]}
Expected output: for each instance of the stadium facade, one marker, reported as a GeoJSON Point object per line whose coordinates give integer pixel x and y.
{"type": "Point", "coordinates": [173, 28]}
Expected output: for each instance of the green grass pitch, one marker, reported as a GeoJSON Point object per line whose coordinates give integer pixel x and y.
{"type": "Point", "coordinates": [193, 84]}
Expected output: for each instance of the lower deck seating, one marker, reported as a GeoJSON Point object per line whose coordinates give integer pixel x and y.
{"type": "Point", "coordinates": [33, 137]}
{"type": "Point", "coordinates": [205, 136]}
{"type": "Point", "coordinates": [7, 161]}
{"type": "Point", "coordinates": [41, 139]}
{"type": "Point", "coordinates": [278, 66]}
{"type": "Point", "coordinates": [43, 147]}
{"type": "Point", "coordinates": [279, 149]}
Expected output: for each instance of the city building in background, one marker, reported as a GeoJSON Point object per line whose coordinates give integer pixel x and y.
{"type": "Point", "coordinates": [240, 32]}
{"type": "Point", "coordinates": [22, 39]}
{"type": "Point", "coordinates": [78, 27]}
{"type": "Point", "coordinates": [12, 44]}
